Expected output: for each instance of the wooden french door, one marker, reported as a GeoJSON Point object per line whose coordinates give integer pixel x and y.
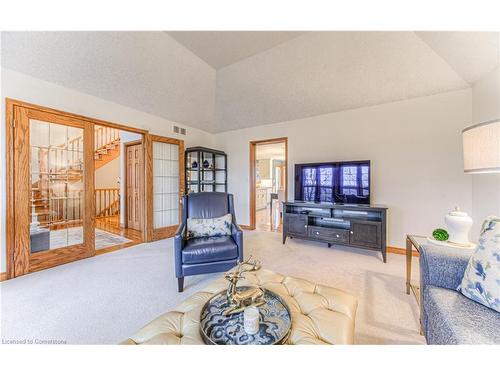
{"type": "Point", "coordinates": [165, 185]}
{"type": "Point", "coordinates": [51, 190]}
{"type": "Point", "coordinates": [134, 173]}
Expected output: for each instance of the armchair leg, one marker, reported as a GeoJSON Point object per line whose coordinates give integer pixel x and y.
{"type": "Point", "coordinates": [180, 284]}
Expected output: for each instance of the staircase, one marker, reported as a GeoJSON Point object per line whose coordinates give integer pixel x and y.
{"type": "Point", "coordinates": [48, 205]}
{"type": "Point", "coordinates": [47, 210]}
{"type": "Point", "coordinates": [107, 148]}
{"type": "Point", "coordinates": [106, 145]}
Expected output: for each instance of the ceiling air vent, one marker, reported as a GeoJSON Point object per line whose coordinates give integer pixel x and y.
{"type": "Point", "coordinates": [179, 130]}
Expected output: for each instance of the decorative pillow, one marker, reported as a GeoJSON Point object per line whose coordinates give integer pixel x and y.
{"type": "Point", "coordinates": [217, 226]}
{"type": "Point", "coordinates": [481, 281]}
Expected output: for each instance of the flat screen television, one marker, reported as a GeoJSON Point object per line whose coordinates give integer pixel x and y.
{"type": "Point", "coordinates": [334, 182]}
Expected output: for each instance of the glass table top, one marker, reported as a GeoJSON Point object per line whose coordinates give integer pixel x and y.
{"type": "Point", "coordinates": [217, 329]}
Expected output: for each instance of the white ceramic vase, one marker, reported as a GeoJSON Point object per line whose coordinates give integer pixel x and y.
{"type": "Point", "coordinates": [251, 320]}
{"type": "Point", "coordinates": [458, 224]}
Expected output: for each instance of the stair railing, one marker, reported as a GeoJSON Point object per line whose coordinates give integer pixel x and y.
{"type": "Point", "coordinates": [104, 135]}
{"type": "Point", "coordinates": [107, 202]}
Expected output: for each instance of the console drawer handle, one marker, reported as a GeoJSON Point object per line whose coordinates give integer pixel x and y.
{"type": "Point", "coordinates": [317, 232]}
{"type": "Point", "coordinates": [352, 232]}
{"type": "Point", "coordinates": [338, 236]}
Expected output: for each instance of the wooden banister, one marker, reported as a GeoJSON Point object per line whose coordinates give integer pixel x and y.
{"type": "Point", "coordinates": [107, 202]}
{"type": "Point", "coordinates": [104, 136]}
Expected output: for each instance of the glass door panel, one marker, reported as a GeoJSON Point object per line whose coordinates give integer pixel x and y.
{"type": "Point", "coordinates": [57, 173]}
{"type": "Point", "coordinates": [166, 175]}
{"type": "Point", "coordinates": [51, 171]}
{"type": "Point", "coordinates": [165, 179]}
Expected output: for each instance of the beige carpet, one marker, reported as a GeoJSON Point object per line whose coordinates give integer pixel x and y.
{"type": "Point", "coordinates": [386, 314]}
{"type": "Point", "coordinates": [105, 299]}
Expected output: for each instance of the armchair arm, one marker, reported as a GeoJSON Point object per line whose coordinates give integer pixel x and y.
{"type": "Point", "coordinates": [443, 267]}
{"type": "Point", "coordinates": [236, 231]}
{"type": "Point", "coordinates": [179, 239]}
{"type": "Point", "coordinates": [179, 233]}
{"type": "Point", "coordinates": [237, 235]}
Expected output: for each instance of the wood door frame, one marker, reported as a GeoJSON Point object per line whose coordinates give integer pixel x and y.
{"type": "Point", "coordinates": [9, 102]}
{"type": "Point", "coordinates": [10, 109]}
{"type": "Point", "coordinates": [253, 147]}
{"type": "Point", "coordinates": [19, 259]}
{"type": "Point", "coordinates": [125, 188]}
{"type": "Point", "coordinates": [151, 233]}
{"type": "Point", "coordinates": [10, 209]}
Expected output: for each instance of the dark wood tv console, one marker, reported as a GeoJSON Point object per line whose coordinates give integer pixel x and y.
{"type": "Point", "coordinates": [362, 226]}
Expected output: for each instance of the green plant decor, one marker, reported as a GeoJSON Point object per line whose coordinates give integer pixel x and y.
{"type": "Point", "coordinates": [440, 234]}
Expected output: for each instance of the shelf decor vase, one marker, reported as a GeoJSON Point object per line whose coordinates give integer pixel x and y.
{"type": "Point", "coordinates": [458, 224]}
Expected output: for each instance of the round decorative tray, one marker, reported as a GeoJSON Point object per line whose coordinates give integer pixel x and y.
{"type": "Point", "coordinates": [217, 329]}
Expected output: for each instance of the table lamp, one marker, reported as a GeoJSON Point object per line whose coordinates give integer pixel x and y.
{"type": "Point", "coordinates": [481, 143]}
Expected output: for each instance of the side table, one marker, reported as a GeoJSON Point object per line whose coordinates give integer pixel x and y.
{"type": "Point", "coordinates": [412, 241]}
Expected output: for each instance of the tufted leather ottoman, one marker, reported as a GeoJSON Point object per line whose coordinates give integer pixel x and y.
{"type": "Point", "coordinates": [320, 314]}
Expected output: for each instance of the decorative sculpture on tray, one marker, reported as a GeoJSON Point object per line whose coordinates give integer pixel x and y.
{"type": "Point", "coordinates": [238, 300]}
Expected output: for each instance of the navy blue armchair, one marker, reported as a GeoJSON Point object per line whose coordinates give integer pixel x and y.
{"type": "Point", "coordinates": [208, 254]}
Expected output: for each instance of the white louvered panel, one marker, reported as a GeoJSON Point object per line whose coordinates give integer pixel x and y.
{"type": "Point", "coordinates": [165, 184]}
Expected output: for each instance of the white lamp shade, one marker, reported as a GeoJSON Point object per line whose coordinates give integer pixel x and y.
{"type": "Point", "coordinates": [481, 144]}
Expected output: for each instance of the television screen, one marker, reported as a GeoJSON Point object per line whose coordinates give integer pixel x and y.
{"type": "Point", "coordinates": [335, 182]}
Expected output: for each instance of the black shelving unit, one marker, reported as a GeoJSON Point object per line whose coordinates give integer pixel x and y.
{"type": "Point", "coordinates": [206, 170]}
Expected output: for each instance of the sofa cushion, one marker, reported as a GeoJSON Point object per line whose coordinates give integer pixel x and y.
{"type": "Point", "coordinates": [209, 249]}
{"type": "Point", "coordinates": [320, 314]}
{"type": "Point", "coordinates": [455, 319]}
{"type": "Point", "coordinates": [217, 226]}
{"type": "Point", "coordinates": [481, 281]}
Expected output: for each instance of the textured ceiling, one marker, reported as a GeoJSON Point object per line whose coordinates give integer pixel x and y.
{"type": "Point", "coordinates": [148, 71]}
{"type": "Point", "coordinates": [221, 48]}
{"type": "Point", "coordinates": [471, 55]}
{"type": "Point", "coordinates": [324, 72]}
{"type": "Point", "coordinates": [261, 77]}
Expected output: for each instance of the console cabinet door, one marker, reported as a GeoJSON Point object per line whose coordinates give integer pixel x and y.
{"type": "Point", "coordinates": [296, 224]}
{"type": "Point", "coordinates": [366, 234]}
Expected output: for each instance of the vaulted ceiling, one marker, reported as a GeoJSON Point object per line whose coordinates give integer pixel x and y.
{"type": "Point", "coordinates": [148, 71]}
{"type": "Point", "coordinates": [222, 48]}
{"type": "Point", "coordinates": [223, 80]}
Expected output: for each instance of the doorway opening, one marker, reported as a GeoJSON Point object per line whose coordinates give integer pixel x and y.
{"type": "Point", "coordinates": [269, 186]}
{"type": "Point", "coordinates": [118, 188]}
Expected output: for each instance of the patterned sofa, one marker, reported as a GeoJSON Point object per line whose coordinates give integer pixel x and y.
{"type": "Point", "coordinates": [320, 314]}
{"type": "Point", "coordinates": [447, 316]}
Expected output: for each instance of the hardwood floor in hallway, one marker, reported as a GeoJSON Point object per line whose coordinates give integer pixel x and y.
{"type": "Point", "coordinates": [263, 220]}
{"type": "Point", "coordinates": [111, 224]}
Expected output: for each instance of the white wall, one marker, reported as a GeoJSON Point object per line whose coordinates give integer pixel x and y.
{"type": "Point", "coordinates": [20, 86]}
{"type": "Point", "coordinates": [414, 145]}
{"type": "Point", "coordinates": [485, 187]}
{"type": "Point", "coordinates": [107, 176]}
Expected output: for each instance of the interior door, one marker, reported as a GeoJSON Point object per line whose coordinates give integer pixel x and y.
{"type": "Point", "coordinates": [135, 168]}
{"type": "Point", "coordinates": [165, 174]}
{"type": "Point", "coordinates": [53, 178]}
